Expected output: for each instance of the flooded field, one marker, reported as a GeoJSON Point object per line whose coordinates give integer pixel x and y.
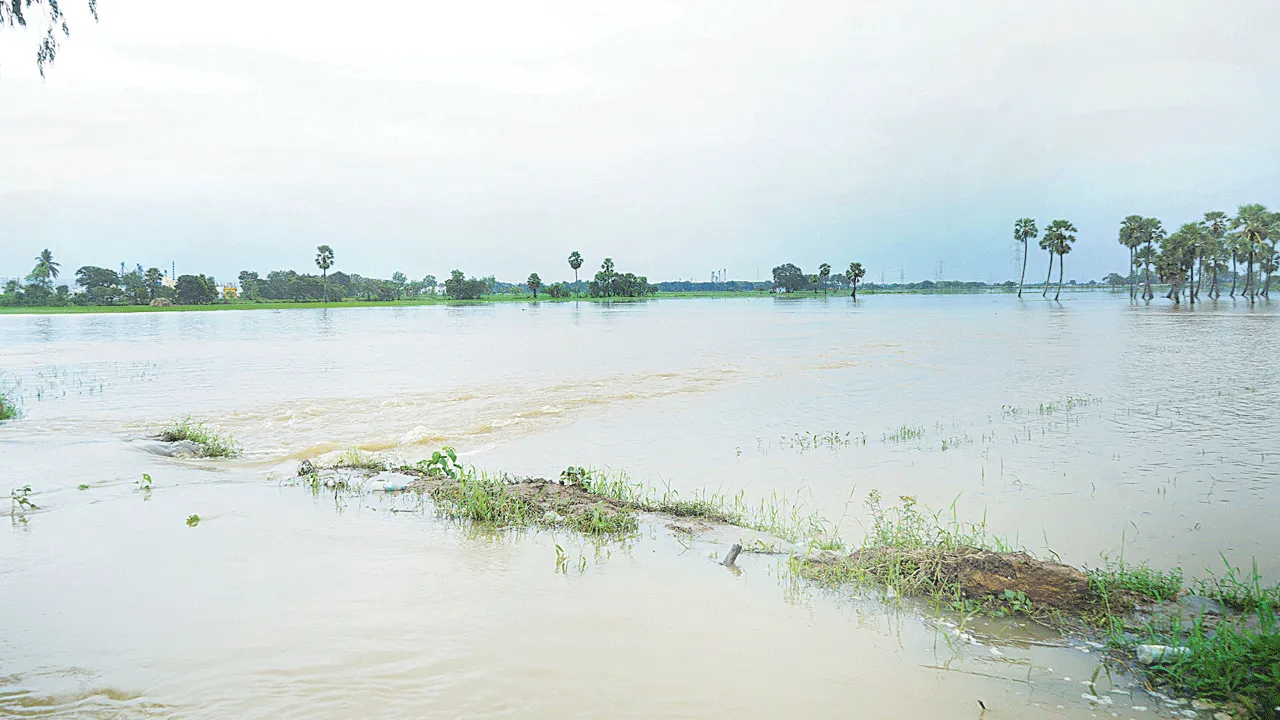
{"type": "Point", "coordinates": [1089, 429]}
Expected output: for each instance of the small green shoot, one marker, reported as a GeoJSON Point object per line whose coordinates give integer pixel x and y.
{"type": "Point", "coordinates": [193, 520]}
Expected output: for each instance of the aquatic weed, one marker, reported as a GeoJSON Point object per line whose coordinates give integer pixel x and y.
{"type": "Point", "coordinates": [212, 444]}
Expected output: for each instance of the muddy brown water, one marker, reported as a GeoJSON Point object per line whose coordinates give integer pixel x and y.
{"type": "Point", "coordinates": [1091, 426]}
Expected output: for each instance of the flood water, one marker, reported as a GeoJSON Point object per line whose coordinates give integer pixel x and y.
{"type": "Point", "coordinates": [1093, 428]}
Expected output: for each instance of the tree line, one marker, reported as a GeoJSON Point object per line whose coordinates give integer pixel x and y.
{"type": "Point", "coordinates": [103, 286]}
{"type": "Point", "coordinates": [789, 278]}
{"type": "Point", "coordinates": [1201, 250]}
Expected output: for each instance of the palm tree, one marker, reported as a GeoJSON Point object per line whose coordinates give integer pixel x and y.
{"type": "Point", "coordinates": [1059, 235]}
{"type": "Point", "coordinates": [1152, 232]}
{"type": "Point", "coordinates": [854, 274]}
{"type": "Point", "coordinates": [46, 270]}
{"type": "Point", "coordinates": [1047, 244]}
{"type": "Point", "coordinates": [824, 272]}
{"type": "Point", "coordinates": [1131, 237]}
{"type": "Point", "coordinates": [1252, 221]}
{"type": "Point", "coordinates": [1215, 224]}
{"type": "Point", "coordinates": [575, 262]}
{"type": "Point", "coordinates": [324, 260]}
{"type": "Point", "coordinates": [534, 282]}
{"type": "Point", "coordinates": [1023, 231]}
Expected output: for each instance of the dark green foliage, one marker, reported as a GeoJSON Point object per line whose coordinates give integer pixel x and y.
{"type": "Point", "coordinates": [789, 278]}
{"type": "Point", "coordinates": [196, 290]}
{"type": "Point", "coordinates": [609, 283]}
{"type": "Point", "coordinates": [558, 290]}
{"type": "Point", "coordinates": [460, 287]}
{"type": "Point", "coordinates": [534, 283]}
{"type": "Point", "coordinates": [7, 409]}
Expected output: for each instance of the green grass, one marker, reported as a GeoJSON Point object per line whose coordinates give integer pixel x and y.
{"type": "Point", "coordinates": [488, 501]}
{"type": "Point", "coordinates": [776, 515]}
{"type": "Point", "coordinates": [353, 459]}
{"type": "Point", "coordinates": [1114, 578]}
{"type": "Point", "coordinates": [1236, 660]}
{"type": "Point", "coordinates": [8, 410]}
{"type": "Point", "coordinates": [906, 433]}
{"type": "Point", "coordinates": [211, 443]}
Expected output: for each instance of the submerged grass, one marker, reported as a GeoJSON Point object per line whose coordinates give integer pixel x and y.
{"type": "Point", "coordinates": [211, 443]}
{"type": "Point", "coordinates": [776, 515]}
{"type": "Point", "coordinates": [8, 410]}
{"type": "Point", "coordinates": [493, 501]}
{"type": "Point", "coordinates": [354, 459]}
{"type": "Point", "coordinates": [1233, 660]}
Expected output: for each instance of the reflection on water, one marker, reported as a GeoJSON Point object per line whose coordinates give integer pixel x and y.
{"type": "Point", "coordinates": [1093, 426]}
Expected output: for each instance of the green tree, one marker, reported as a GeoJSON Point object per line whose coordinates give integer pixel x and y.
{"type": "Point", "coordinates": [1215, 225]}
{"type": "Point", "coordinates": [101, 286]}
{"type": "Point", "coordinates": [459, 287]}
{"type": "Point", "coordinates": [854, 274]}
{"type": "Point", "coordinates": [1059, 236]}
{"type": "Point", "coordinates": [1131, 237]}
{"type": "Point", "coordinates": [534, 283]}
{"type": "Point", "coordinates": [324, 261]}
{"type": "Point", "coordinates": [1024, 230]}
{"type": "Point", "coordinates": [788, 278]}
{"type": "Point", "coordinates": [398, 281]}
{"type": "Point", "coordinates": [1046, 243]}
{"type": "Point", "coordinates": [46, 270]}
{"type": "Point", "coordinates": [1253, 221]}
{"type": "Point", "coordinates": [196, 290]}
{"type": "Point", "coordinates": [13, 13]}
{"type": "Point", "coordinates": [1151, 233]}
{"type": "Point", "coordinates": [824, 273]}
{"type": "Point", "coordinates": [575, 262]}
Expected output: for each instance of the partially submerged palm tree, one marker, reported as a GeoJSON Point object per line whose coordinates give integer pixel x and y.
{"type": "Point", "coordinates": [1152, 232]}
{"type": "Point", "coordinates": [1024, 230]}
{"type": "Point", "coordinates": [854, 274]}
{"type": "Point", "coordinates": [324, 260]}
{"type": "Point", "coordinates": [1047, 244]}
{"type": "Point", "coordinates": [46, 270]}
{"type": "Point", "coordinates": [575, 262]}
{"type": "Point", "coordinates": [534, 283]}
{"type": "Point", "coordinates": [1215, 225]}
{"type": "Point", "coordinates": [824, 272]}
{"type": "Point", "coordinates": [1059, 235]}
{"type": "Point", "coordinates": [1131, 237]}
{"type": "Point", "coordinates": [1252, 221]}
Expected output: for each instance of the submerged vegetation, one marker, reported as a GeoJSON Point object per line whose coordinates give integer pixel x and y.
{"type": "Point", "coordinates": [8, 410]}
{"type": "Point", "coordinates": [211, 443]}
{"type": "Point", "coordinates": [1230, 656]}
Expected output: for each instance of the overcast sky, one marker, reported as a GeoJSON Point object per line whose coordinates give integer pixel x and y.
{"type": "Point", "coordinates": [496, 136]}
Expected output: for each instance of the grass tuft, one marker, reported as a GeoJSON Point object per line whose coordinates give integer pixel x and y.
{"type": "Point", "coordinates": [1145, 582]}
{"type": "Point", "coordinates": [491, 501]}
{"type": "Point", "coordinates": [8, 410]}
{"type": "Point", "coordinates": [353, 459]}
{"type": "Point", "coordinates": [212, 444]}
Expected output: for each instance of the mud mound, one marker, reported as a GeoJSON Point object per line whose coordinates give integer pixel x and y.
{"type": "Point", "coordinates": [977, 574]}
{"type": "Point", "coordinates": [1045, 583]}
{"type": "Point", "coordinates": [563, 498]}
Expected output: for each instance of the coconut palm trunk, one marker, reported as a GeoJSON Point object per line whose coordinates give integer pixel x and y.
{"type": "Point", "coordinates": [1049, 277]}
{"type": "Point", "coordinates": [1191, 283]}
{"type": "Point", "coordinates": [1133, 265]}
{"type": "Point", "coordinates": [1025, 250]}
{"type": "Point", "coordinates": [1234, 273]}
{"type": "Point", "coordinates": [1147, 294]}
{"type": "Point", "coordinates": [1061, 262]}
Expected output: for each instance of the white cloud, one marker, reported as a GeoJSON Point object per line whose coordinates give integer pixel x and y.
{"type": "Point", "coordinates": [675, 136]}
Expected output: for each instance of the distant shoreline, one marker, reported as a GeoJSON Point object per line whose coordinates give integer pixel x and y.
{"type": "Point", "coordinates": [489, 299]}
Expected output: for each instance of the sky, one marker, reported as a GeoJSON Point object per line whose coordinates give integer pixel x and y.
{"type": "Point", "coordinates": [678, 138]}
